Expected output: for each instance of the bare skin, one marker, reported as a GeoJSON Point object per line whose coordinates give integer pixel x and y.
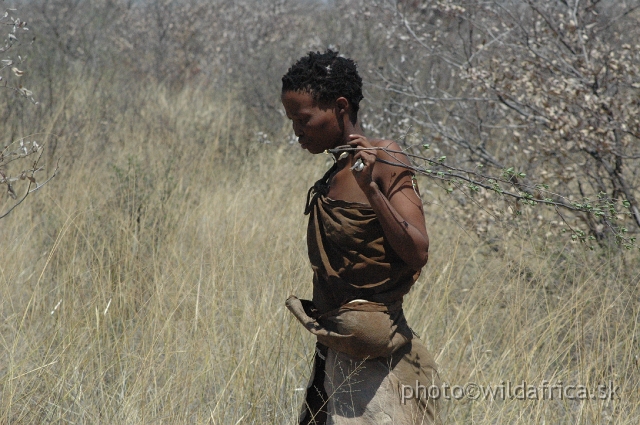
{"type": "Point", "coordinates": [386, 188]}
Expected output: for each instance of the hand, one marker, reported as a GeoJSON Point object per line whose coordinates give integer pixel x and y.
{"type": "Point", "coordinates": [363, 175]}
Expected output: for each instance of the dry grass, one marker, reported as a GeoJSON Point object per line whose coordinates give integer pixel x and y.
{"type": "Point", "coordinates": [146, 284]}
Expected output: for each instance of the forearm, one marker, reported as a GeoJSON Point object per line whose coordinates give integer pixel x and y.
{"type": "Point", "coordinates": [407, 241]}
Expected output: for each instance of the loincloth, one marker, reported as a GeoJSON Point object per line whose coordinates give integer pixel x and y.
{"type": "Point", "coordinates": [366, 353]}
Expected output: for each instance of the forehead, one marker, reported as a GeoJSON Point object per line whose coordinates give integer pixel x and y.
{"type": "Point", "coordinates": [294, 101]}
{"type": "Point", "coordinates": [300, 102]}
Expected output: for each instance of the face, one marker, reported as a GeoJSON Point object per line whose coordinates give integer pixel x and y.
{"type": "Point", "coordinates": [318, 127]}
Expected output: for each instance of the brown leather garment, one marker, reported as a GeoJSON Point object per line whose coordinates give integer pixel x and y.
{"type": "Point", "coordinates": [360, 329]}
{"type": "Point", "coordinates": [365, 356]}
{"type": "Point", "coordinates": [366, 352]}
{"type": "Point", "coordinates": [350, 257]}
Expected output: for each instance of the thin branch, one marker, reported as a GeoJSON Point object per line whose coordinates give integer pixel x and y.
{"type": "Point", "coordinates": [29, 192]}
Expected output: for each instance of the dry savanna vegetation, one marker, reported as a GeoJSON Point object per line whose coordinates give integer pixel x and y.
{"type": "Point", "coordinates": [145, 282]}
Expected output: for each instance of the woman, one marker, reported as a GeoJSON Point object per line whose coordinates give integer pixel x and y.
{"type": "Point", "coordinates": [367, 242]}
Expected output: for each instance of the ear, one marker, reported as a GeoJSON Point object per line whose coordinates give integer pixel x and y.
{"type": "Point", "coordinates": [343, 105]}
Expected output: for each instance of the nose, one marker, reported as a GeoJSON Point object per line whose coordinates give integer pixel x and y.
{"type": "Point", "coordinates": [297, 129]}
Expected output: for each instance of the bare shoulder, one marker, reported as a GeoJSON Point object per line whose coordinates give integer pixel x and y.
{"type": "Point", "coordinates": [391, 171]}
{"type": "Point", "coordinates": [392, 155]}
{"type": "Point", "coordinates": [384, 143]}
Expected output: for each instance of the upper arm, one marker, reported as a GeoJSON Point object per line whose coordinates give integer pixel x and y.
{"type": "Point", "coordinates": [396, 183]}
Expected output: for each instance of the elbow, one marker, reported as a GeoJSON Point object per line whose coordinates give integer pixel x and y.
{"type": "Point", "coordinates": [419, 261]}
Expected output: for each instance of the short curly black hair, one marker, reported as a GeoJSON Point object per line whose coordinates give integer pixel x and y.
{"type": "Point", "coordinates": [326, 76]}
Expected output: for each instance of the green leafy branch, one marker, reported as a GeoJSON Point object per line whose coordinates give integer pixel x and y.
{"type": "Point", "coordinates": [509, 184]}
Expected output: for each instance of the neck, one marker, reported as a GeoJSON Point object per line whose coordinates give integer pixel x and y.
{"type": "Point", "coordinates": [348, 128]}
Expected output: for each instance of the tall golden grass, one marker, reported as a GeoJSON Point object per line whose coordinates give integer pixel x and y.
{"type": "Point", "coordinates": [146, 283]}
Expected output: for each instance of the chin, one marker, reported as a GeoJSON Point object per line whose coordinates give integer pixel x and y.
{"type": "Point", "coordinates": [313, 149]}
